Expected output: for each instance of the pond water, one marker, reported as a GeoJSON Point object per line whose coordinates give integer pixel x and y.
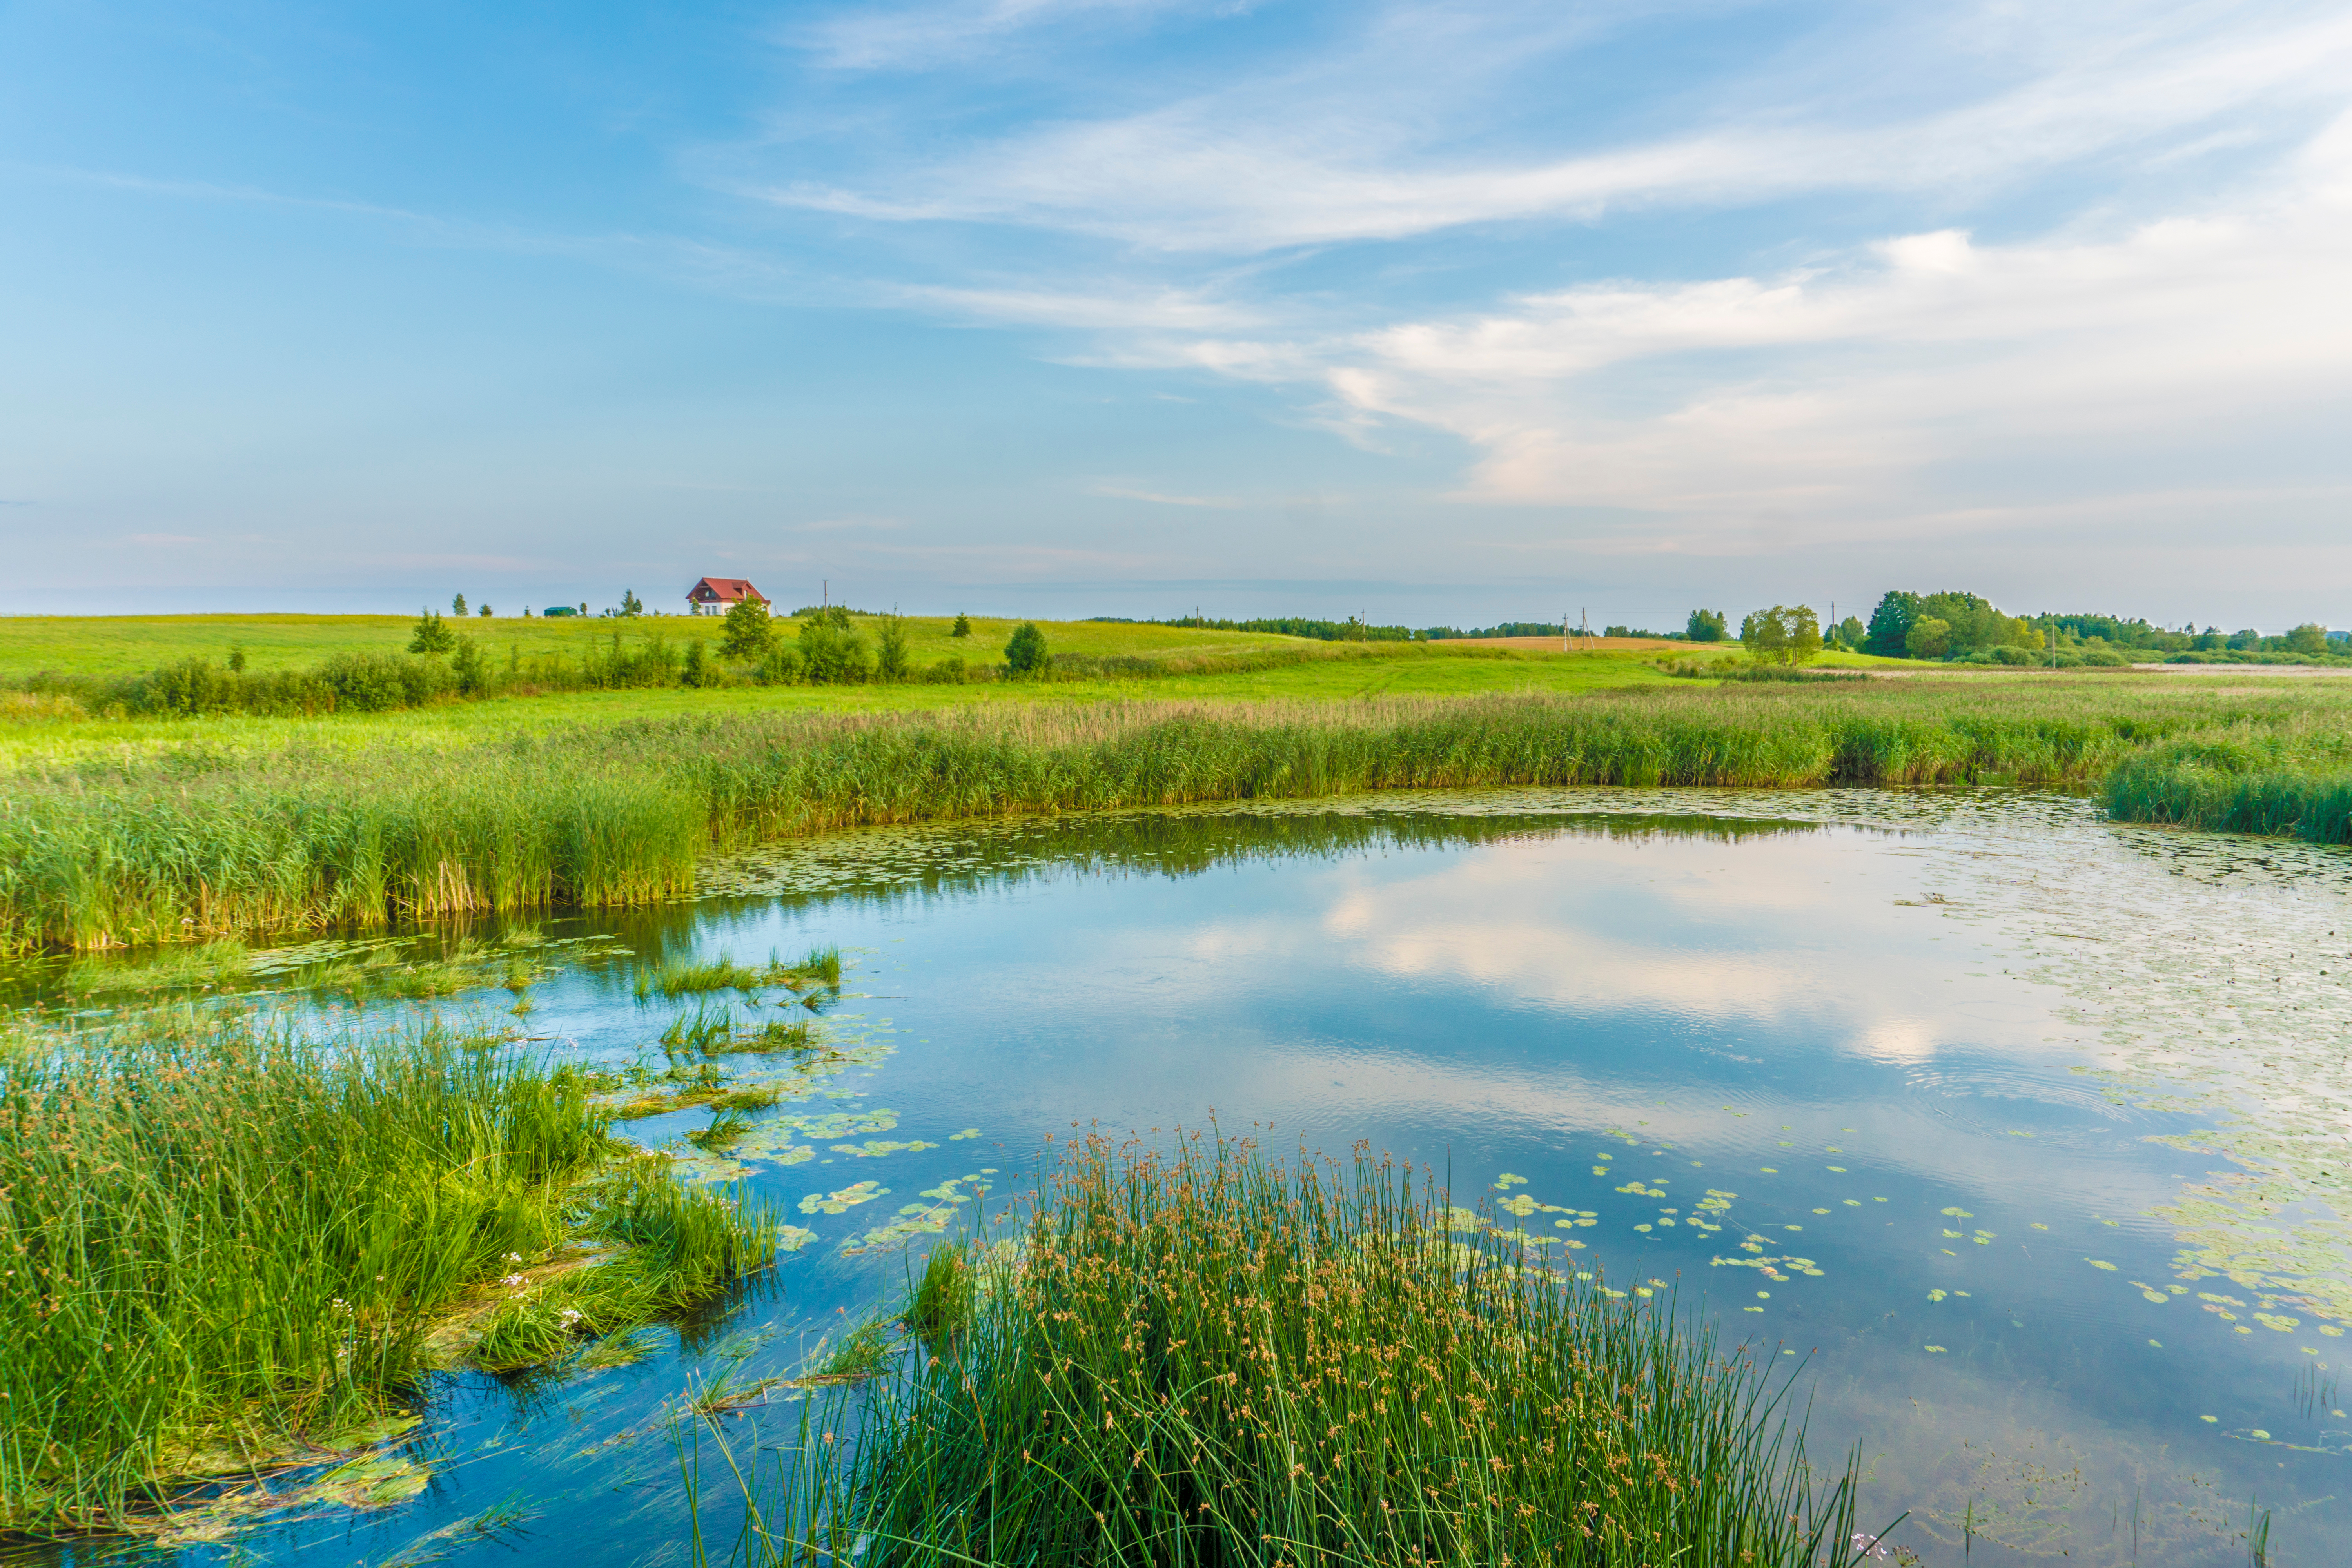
{"type": "Point", "coordinates": [2018, 1137]}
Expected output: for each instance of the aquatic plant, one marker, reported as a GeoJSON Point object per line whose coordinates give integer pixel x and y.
{"type": "Point", "coordinates": [1206, 1358]}
{"type": "Point", "coordinates": [220, 1244]}
{"type": "Point", "coordinates": [940, 1309]}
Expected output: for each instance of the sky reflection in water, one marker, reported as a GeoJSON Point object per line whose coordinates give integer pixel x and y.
{"type": "Point", "coordinates": [1843, 1072]}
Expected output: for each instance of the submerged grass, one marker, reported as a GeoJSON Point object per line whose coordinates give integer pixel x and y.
{"type": "Point", "coordinates": [1207, 1359]}
{"type": "Point", "coordinates": [221, 1244]}
{"type": "Point", "coordinates": [168, 846]}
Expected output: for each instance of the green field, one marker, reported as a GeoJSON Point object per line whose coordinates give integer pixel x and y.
{"type": "Point", "coordinates": [1244, 667]}
{"type": "Point", "coordinates": [124, 644]}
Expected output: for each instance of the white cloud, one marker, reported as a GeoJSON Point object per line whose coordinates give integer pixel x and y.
{"type": "Point", "coordinates": [1839, 390]}
{"type": "Point", "coordinates": [1119, 493]}
{"type": "Point", "coordinates": [1359, 146]}
{"type": "Point", "coordinates": [912, 37]}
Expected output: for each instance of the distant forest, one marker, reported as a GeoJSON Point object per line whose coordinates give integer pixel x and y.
{"type": "Point", "coordinates": [1950, 626]}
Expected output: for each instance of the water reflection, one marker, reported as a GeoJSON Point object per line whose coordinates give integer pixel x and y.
{"type": "Point", "coordinates": [2025, 1129]}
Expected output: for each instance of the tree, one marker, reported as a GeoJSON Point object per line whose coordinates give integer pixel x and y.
{"type": "Point", "coordinates": [1707, 625]}
{"type": "Point", "coordinates": [630, 604]}
{"type": "Point", "coordinates": [1890, 623]}
{"type": "Point", "coordinates": [1928, 637]}
{"type": "Point", "coordinates": [747, 631]}
{"type": "Point", "coordinates": [891, 662]}
{"type": "Point", "coordinates": [962, 625]}
{"type": "Point", "coordinates": [485, 611]}
{"type": "Point", "coordinates": [236, 656]}
{"type": "Point", "coordinates": [1850, 632]}
{"type": "Point", "coordinates": [2309, 637]}
{"type": "Point", "coordinates": [431, 636]}
{"type": "Point", "coordinates": [1787, 635]}
{"type": "Point", "coordinates": [1026, 655]}
{"type": "Point", "coordinates": [457, 605]}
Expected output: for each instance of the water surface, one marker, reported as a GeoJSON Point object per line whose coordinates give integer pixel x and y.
{"type": "Point", "coordinates": [2022, 1134]}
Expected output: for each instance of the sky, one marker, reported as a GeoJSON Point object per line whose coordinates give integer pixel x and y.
{"type": "Point", "coordinates": [1443, 314]}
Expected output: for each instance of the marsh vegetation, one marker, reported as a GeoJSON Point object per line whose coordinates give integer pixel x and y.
{"type": "Point", "coordinates": [1201, 1356]}
{"type": "Point", "coordinates": [228, 1247]}
{"type": "Point", "coordinates": [163, 846]}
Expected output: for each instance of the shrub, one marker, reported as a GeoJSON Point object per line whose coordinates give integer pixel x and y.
{"type": "Point", "coordinates": [1927, 638]}
{"type": "Point", "coordinates": [380, 682]}
{"type": "Point", "coordinates": [948, 671]}
{"type": "Point", "coordinates": [962, 625]}
{"type": "Point", "coordinates": [749, 631]}
{"type": "Point", "coordinates": [431, 636]}
{"type": "Point", "coordinates": [831, 653]}
{"type": "Point", "coordinates": [891, 662]}
{"type": "Point", "coordinates": [473, 676]}
{"type": "Point", "coordinates": [1025, 654]}
{"type": "Point", "coordinates": [783, 667]}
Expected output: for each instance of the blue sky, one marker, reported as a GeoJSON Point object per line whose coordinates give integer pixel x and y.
{"type": "Point", "coordinates": [1450, 312]}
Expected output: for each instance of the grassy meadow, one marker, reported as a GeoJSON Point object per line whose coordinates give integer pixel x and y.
{"type": "Point", "coordinates": [1207, 1358]}
{"type": "Point", "coordinates": [124, 644]}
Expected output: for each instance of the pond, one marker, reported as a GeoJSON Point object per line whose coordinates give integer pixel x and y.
{"type": "Point", "coordinates": [2018, 1138]}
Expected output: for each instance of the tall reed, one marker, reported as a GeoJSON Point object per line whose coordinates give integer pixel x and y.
{"type": "Point", "coordinates": [2291, 781]}
{"type": "Point", "coordinates": [165, 847]}
{"type": "Point", "coordinates": [1205, 1358]}
{"type": "Point", "coordinates": [218, 1240]}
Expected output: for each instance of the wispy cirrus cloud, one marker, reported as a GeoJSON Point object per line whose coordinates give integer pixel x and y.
{"type": "Point", "coordinates": [1381, 142]}
{"type": "Point", "coordinates": [1157, 497]}
{"type": "Point", "coordinates": [919, 36]}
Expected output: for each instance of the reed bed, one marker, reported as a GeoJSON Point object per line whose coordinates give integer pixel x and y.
{"type": "Point", "coordinates": [1205, 1358]}
{"type": "Point", "coordinates": [2293, 780]}
{"type": "Point", "coordinates": [165, 846]}
{"type": "Point", "coordinates": [221, 1246]}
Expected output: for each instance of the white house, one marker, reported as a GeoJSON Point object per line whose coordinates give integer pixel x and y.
{"type": "Point", "coordinates": [717, 595]}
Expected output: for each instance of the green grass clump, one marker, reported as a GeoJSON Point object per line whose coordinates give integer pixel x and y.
{"type": "Point", "coordinates": [774, 1036]}
{"type": "Point", "coordinates": [706, 1028]}
{"type": "Point", "coordinates": [680, 1247]}
{"type": "Point", "coordinates": [721, 973]}
{"type": "Point", "coordinates": [2291, 781]}
{"type": "Point", "coordinates": [220, 965]}
{"type": "Point", "coordinates": [940, 1311]}
{"type": "Point", "coordinates": [1207, 1359]}
{"type": "Point", "coordinates": [221, 1242]}
{"type": "Point", "coordinates": [864, 1352]}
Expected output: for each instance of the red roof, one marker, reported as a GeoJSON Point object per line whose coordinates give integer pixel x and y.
{"type": "Point", "coordinates": [724, 591]}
